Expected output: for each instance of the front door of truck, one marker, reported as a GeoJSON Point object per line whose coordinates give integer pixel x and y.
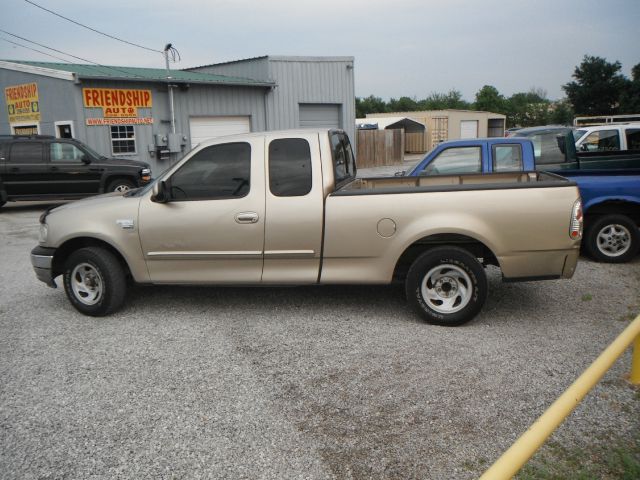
{"type": "Point", "coordinates": [211, 229]}
{"type": "Point", "coordinates": [294, 209]}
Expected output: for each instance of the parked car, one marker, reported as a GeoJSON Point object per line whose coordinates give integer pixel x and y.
{"type": "Point", "coordinates": [608, 138]}
{"type": "Point", "coordinates": [48, 168]}
{"type": "Point", "coordinates": [286, 207]}
{"type": "Point", "coordinates": [611, 198]}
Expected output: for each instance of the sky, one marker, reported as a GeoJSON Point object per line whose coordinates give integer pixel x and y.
{"type": "Point", "coordinates": [401, 47]}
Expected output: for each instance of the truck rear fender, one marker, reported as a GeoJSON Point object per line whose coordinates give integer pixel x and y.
{"type": "Point", "coordinates": [623, 205]}
{"type": "Point", "coordinates": [413, 251]}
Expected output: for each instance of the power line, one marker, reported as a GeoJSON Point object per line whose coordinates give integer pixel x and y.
{"type": "Point", "coordinates": [70, 55]}
{"type": "Point", "coordinates": [92, 29]}
{"type": "Point", "coordinates": [34, 50]}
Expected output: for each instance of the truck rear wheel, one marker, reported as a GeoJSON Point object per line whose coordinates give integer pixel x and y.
{"type": "Point", "coordinates": [447, 286]}
{"type": "Point", "coordinates": [94, 281]}
{"type": "Point", "coordinates": [612, 239]}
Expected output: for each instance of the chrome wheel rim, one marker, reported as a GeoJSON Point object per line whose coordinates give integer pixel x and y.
{"type": "Point", "coordinates": [122, 188]}
{"type": "Point", "coordinates": [446, 289]}
{"type": "Point", "coordinates": [614, 240]}
{"type": "Point", "coordinates": [87, 284]}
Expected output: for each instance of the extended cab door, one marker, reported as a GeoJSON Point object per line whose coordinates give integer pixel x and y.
{"type": "Point", "coordinates": [211, 229]}
{"type": "Point", "coordinates": [294, 209]}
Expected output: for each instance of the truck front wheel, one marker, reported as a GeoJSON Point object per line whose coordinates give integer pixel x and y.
{"type": "Point", "coordinates": [94, 281]}
{"type": "Point", "coordinates": [447, 286]}
{"type": "Point", "coordinates": [612, 239]}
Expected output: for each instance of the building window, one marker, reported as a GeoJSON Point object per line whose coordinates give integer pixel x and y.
{"type": "Point", "coordinates": [123, 139]}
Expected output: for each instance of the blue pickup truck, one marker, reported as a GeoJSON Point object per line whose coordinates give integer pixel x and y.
{"type": "Point", "coordinates": [610, 197]}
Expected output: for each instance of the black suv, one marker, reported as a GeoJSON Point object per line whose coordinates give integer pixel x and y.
{"type": "Point", "coordinates": [45, 168]}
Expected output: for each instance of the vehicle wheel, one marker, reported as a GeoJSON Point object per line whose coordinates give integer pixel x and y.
{"type": "Point", "coordinates": [612, 239]}
{"type": "Point", "coordinates": [94, 281]}
{"type": "Point", "coordinates": [447, 286]}
{"type": "Point", "coordinates": [120, 185]}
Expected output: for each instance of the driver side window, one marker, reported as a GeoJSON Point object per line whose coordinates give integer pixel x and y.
{"type": "Point", "coordinates": [216, 172]}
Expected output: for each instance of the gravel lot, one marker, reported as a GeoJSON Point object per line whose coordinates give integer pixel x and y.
{"type": "Point", "coordinates": [322, 382]}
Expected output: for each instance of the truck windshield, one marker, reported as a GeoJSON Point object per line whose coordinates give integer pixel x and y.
{"type": "Point", "coordinates": [344, 164]}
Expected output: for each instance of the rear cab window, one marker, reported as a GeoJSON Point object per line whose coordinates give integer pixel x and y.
{"type": "Point", "coordinates": [507, 157]}
{"type": "Point", "coordinates": [455, 160]}
{"type": "Point", "coordinates": [344, 163]}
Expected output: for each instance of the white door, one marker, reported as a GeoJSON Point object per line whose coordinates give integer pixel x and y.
{"type": "Point", "coordinates": [205, 128]}
{"type": "Point", "coordinates": [469, 129]}
{"type": "Point", "coordinates": [319, 115]}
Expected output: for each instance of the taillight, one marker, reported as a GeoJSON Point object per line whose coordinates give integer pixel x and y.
{"type": "Point", "coordinates": [575, 230]}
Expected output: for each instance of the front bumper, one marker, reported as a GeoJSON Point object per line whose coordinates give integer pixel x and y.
{"type": "Point", "coordinates": [42, 261]}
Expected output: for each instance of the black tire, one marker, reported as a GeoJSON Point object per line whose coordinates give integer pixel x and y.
{"type": "Point", "coordinates": [121, 185]}
{"type": "Point", "coordinates": [94, 281]}
{"type": "Point", "coordinates": [459, 291]}
{"type": "Point", "coordinates": [612, 239]}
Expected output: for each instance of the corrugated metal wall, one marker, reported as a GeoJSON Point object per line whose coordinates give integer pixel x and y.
{"type": "Point", "coordinates": [306, 80]}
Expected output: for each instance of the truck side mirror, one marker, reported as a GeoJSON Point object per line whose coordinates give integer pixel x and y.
{"type": "Point", "coordinates": [85, 159]}
{"type": "Point", "coordinates": [160, 192]}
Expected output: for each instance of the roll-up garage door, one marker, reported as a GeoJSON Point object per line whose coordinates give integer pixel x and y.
{"type": "Point", "coordinates": [320, 115]}
{"type": "Point", "coordinates": [204, 128]}
{"type": "Point", "coordinates": [469, 129]}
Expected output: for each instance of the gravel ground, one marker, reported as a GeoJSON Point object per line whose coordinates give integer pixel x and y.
{"type": "Point", "coordinates": [314, 383]}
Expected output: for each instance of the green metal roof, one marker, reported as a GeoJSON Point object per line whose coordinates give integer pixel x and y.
{"type": "Point", "coordinates": [109, 72]}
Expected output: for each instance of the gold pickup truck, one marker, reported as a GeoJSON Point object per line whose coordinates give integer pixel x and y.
{"type": "Point", "coordinates": [282, 208]}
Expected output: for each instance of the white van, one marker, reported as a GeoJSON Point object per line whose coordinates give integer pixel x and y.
{"type": "Point", "coordinates": [608, 138]}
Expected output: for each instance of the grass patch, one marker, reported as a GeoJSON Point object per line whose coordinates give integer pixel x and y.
{"type": "Point", "coordinates": [617, 459]}
{"type": "Point", "coordinates": [587, 297]}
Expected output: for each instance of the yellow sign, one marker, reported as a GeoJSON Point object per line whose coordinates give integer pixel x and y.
{"type": "Point", "coordinates": [22, 103]}
{"type": "Point", "coordinates": [117, 102]}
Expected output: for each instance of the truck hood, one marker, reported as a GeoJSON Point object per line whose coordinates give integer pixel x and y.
{"type": "Point", "coordinates": [119, 162]}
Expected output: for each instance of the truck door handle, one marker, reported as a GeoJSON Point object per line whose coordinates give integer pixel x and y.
{"type": "Point", "coordinates": [247, 217]}
{"type": "Point", "coordinates": [14, 169]}
{"type": "Point", "coordinates": [54, 169]}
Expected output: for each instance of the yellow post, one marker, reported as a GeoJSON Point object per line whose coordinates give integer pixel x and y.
{"type": "Point", "coordinates": [634, 376]}
{"type": "Point", "coordinates": [523, 449]}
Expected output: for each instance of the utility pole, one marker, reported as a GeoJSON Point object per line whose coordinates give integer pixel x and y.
{"type": "Point", "coordinates": [170, 87]}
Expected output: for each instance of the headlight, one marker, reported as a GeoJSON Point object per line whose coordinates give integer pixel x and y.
{"type": "Point", "coordinates": [44, 233]}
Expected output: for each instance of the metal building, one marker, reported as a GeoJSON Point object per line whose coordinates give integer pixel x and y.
{"type": "Point", "coordinates": [124, 111]}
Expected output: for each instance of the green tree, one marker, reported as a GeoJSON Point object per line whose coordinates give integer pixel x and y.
{"type": "Point", "coordinates": [370, 104]}
{"type": "Point", "coordinates": [630, 98]}
{"type": "Point", "coordinates": [488, 99]}
{"type": "Point", "coordinates": [526, 109]}
{"type": "Point", "coordinates": [561, 113]}
{"type": "Point", "coordinates": [443, 101]}
{"type": "Point", "coordinates": [403, 104]}
{"type": "Point", "coordinates": [597, 88]}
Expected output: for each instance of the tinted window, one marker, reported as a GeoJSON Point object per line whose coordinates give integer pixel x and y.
{"type": "Point", "coordinates": [546, 148]}
{"type": "Point", "coordinates": [289, 167]}
{"type": "Point", "coordinates": [455, 160]}
{"type": "Point", "coordinates": [633, 139]}
{"type": "Point", "coordinates": [26, 152]}
{"type": "Point", "coordinates": [507, 158]}
{"type": "Point", "coordinates": [65, 152]}
{"type": "Point", "coordinates": [344, 165]}
{"type": "Point", "coordinates": [601, 141]}
{"type": "Point", "coordinates": [218, 171]}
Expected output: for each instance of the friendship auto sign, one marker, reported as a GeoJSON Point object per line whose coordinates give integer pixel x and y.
{"type": "Point", "coordinates": [117, 102]}
{"type": "Point", "coordinates": [22, 103]}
